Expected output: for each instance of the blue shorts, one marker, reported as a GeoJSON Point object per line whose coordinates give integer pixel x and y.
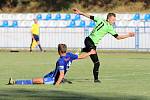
{"type": "Point", "coordinates": [36, 37]}
{"type": "Point", "coordinates": [49, 78]}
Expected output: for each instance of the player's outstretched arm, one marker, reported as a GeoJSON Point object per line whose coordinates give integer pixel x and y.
{"type": "Point", "coordinates": [77, 11]}
{"type": "Point", "coordinates": [130, 34]}
{"type": "Point", "coordinates": [84, 55]}
{"type": "Point", "coordinates": [61, 76]}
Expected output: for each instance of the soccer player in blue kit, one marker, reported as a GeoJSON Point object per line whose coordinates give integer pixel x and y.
{"type": "Point", "coordinates": [62, 65]}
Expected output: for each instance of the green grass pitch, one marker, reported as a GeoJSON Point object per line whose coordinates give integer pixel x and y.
{"type": "Point", "coordinates": [124, 76]}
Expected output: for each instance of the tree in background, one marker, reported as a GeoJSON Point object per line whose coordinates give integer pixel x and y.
{"type": "Point", "coordinates": [64, 5]}
{"type": "Point", "coordinates": [147, 4]}
{"type": "Point", "coordinates": [55, 5]}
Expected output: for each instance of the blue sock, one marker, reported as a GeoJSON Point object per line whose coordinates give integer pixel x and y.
{"type": "Point", "coordinates": [23, 82]}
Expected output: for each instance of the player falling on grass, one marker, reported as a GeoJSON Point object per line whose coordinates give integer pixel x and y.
{"type": "Point", "coordinates": [35, 35]}
{"type": "Point", "coordinates": [102, 28]}
{"type": "Point", "coordinates": [63, 63]}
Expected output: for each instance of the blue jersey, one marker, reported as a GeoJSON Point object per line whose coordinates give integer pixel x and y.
{"type": "Point", "coordinates": [63, 64]}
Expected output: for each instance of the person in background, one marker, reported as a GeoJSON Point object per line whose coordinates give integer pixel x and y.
{"type": "Point", "coordinates": [35, 35]}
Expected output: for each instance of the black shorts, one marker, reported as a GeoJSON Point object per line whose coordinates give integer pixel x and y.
{"type": "Point", "coordinates": [36, 37]}
{"type": "Point", "coordinates": [89, 44]}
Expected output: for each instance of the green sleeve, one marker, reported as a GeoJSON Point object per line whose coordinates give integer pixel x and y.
{"type": "Point", "coordinates": [112, 31]}
{"type": "Point", "coordinates": [96, 19]}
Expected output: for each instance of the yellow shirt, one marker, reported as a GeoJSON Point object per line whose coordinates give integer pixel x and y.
{"type": "Point", "coordinates": [35, 29]}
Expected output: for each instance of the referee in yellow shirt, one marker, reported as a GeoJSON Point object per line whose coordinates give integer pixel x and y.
{"type": "Point", "coordinates": [35, 34]}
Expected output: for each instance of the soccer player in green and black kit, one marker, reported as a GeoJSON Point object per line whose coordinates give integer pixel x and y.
{"type": "Point", "coordinates": [102, 28]}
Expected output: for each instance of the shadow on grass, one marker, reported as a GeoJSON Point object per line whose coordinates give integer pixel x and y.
{"type": "Point", "coordinates": [29, 94]}
{"type": "Point", "coordinates": [140, 58]}
{"type": "Point", "coordinates": [80, 80]}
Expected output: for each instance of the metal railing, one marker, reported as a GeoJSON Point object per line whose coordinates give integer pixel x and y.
{"type": "Point", "coordinates": [20, 37]}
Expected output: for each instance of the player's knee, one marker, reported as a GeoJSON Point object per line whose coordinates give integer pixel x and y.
{"type": "Point", "coordinates": [97, 64]}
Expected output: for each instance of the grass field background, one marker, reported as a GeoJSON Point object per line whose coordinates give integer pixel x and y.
{"type": "Point", "coordinates": [124, 76]}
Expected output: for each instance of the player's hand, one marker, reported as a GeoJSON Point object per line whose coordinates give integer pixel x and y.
{"type": "Point", "coordinates": [92, 52]}
{"type": "Point", "coordinates": [76, 11]}
{"type": "Point", "coordinates": [131, 34]}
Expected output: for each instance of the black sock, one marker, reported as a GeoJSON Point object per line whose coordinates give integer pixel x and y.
{"type": "Point", "coordinates": [31, 46]}
{"type": "Point", "coordinates": [96, 70]}
{"type": "Point", "coordinates": [40, 47]}
{"type": "Point", "coordinates": [96, 63]}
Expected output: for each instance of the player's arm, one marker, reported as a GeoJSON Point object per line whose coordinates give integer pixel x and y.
{"type": "Point", "coordinates": [120, 36]}
{"type": "Point", "coordinates": [77, 11]}
{"type": "Point", "coordinates": [84, 55]}
{"type": "Point", "coordinates": [61, 76]}
{"type": "Point", "coordinates": [123, 36]}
